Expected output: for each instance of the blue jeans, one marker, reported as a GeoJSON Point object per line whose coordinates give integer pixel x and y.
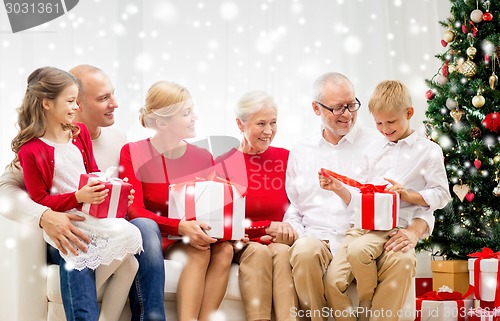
{"type": "Point", "coordinates": [78, 288]}
{"type": "Point", "coordinates": [147, 292]}
{"type": "Point", "coordinates": [78, 291]}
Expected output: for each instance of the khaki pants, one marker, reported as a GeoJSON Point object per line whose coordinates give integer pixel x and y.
{"type": "Point", "coordinates": [310, 258]}
{"type": "Point", "coordinates": [394, 273]}
{"type": "Point", "coordinates": [265, 280]}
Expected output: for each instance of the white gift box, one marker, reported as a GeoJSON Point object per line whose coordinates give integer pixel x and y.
{"type": "Point", "coordinates": [376, 211]}
{"type": "Point", "coordinates": [444, 310]}
{"type": "Point", "coordinates": [218, 204]}
{"type": "Point", "coordinates": [488, 278]}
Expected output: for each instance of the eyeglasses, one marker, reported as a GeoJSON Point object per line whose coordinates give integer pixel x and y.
{"type": "Point", "coordinates": [339, 110]}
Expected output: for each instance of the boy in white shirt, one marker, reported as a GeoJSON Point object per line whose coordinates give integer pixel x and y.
{"type": "Point", "coordinates": [415, 168]}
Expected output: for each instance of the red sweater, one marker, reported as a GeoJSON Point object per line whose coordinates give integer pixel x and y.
{"type": "Point", "coordinates": [37, 161]}
{"type": "Point", "coordinates": [151, 174]}
{"type": "Point", "coordinates": [264, 174]}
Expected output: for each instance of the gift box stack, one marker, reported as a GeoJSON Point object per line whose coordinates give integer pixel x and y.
{"type": "Point", "coordinates": [116, 203]}
{"type": "Point", "coordinates": [377, 209]}
{"type": "Point", "coordinates": [423, 277]}
{"type": "Point", "coordinates": [484, 279]}
{"type": "Point", "coordinates": [443, 305]}
{"type": "Point", "coordinates": [216, 202]}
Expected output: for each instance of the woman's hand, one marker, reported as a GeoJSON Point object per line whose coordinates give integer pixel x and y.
{"type": "Point", "coordinates": [93, 192]}
{"type": "Point", "coordinates": [196, 235]}
{"type": "Point", "coordinates": [239, 245]}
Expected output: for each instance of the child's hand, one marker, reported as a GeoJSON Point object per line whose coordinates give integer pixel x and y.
{"type": "Point", "coordinates": [92, 193]}
{"type": "Point", "coordinates": [398, 188]}
{"type": "Point", "coordinates": [329, 183]}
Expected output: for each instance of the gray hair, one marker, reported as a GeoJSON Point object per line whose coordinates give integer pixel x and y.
{"type": "Point", "coordinates": [252, 102]}
{"type": "Point", "coordinates": [332, 77]}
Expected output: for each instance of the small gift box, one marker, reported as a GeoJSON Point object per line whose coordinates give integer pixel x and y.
{"type": "Point", "coordinates": [451, 273]}
{"type": "Point", "coordinates": [484, 275]}
{"type": "Point", "coordinates": [216, 202]}
{"type": "Point", "coordinates": [116, 203]}
{"type": "Point", "coordinates": [481, 314]}
{"type": "Point", "coordinates": [376, 209]}
{"type": "Point", "coordinates": [442, 305]}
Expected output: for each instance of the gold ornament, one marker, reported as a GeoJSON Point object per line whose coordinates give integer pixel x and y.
{"type": "Point", "coordinates": [452, 68]}
{"type": "Point", "coordinates": [496, 159]}
{"type": "Point", "coordinates": [461, 191]}
{"type": "Point", "coordinates": [493, 81]}
{"type": "Point", "coordinates": [448, 36]}
{"type": "Point", "coordinates": [471, 52]}
{"type": "Point", "coordinates": [469, 68]}
{"type": "Point", "coordinates": [457, 114]}
{"type": "Point", "coordinates": [478, 100]}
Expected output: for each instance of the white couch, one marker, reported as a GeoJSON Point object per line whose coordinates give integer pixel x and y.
{"type": "Point", "coordinates": [32, 292]}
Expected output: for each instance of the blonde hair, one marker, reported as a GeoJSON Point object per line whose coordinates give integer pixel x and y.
{"type": "Point", "coordinates": [390, 95]}
{"type": "Point", "coordinates": [163, 99]}
{"type": "Point", "coordinates": [43, 83]}
{"type": "Point", "coordinates": [252, 102]}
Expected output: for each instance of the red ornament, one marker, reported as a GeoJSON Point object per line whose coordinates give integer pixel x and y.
{"type": "Point", "coordinates": [487, 16]}
{"type": "Point", "coordinates": [477, 163]}
{"type": "Point", "coordinates": [464, 28]}
{"type": "Point", "coordinates": [486, 59]}
{"type": "Point", "coordinates": [444, 43]}
{"type": "Point", "coordinates": [444, 70]}
{"type": "Point", "coordinates": [429, 94]}
{"type": "Point", "coordinates": [492, 122]}
{"type": "Point", "coordinates": [469, 196]}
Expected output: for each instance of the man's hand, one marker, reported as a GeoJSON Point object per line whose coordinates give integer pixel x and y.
{"type": "Point", "coordinates": [65, 235]}
{"type": "Point", "coordinates": [195, 232]}
{"type": "Point", "coordinates": [282, 232]}
{"type": "Point", "coordinates": [403, 239]}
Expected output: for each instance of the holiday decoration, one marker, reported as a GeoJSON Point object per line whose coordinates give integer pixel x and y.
{"type": "Point", "coordinates": [448, 36]}
{"type": "Point", "coordinates": [475, 132]}
{"type": "Point", "coordinates": [461, 191]}
{"type": "Point", "coordinates": [476, 16]}
{"type": "Point", "coordinates": [469, 68]}
{"type": "Point", "coordinates": [465, 119]}
{"type": "Point", "coordinates": [478, 100]}
{"type": "Point", "coordinates": [451, 103]}
{"type": "Point", "coordinates": [429, 94]}
{"type": "Point", "coordinates": [441, 80]}
{"type": "Point", "coordinates": [492, 122]}
{"type": "Point", "coordinates": [457, 114]}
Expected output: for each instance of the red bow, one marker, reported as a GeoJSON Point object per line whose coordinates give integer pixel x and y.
{"type": "Point", "coordinates": [364, 188]}
{"type": "Point", "coordinates": [486, 253]}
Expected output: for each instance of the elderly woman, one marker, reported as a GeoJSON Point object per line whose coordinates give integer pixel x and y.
{"type": "Point", "coordinates": [151, 165]}
{"type": "Point", "coordinates": [265, 273]}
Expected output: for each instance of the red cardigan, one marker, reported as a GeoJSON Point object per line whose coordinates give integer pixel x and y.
{"type": "Point", "coordinates": [264, 176]}
{"type": "Point", "coordinates": [151, 174]}
{"type": "Point", "coordinates": [37, 161]}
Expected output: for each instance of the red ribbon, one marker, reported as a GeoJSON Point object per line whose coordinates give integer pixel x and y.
{"type": "Point", "coordinates": [367, 198]}
{"type": "Point", "coordinates": [190, 203]}
{"type": "Point", "coordinates": [486, 253]}
{"type": "Point", "coordinates": [442, 296]}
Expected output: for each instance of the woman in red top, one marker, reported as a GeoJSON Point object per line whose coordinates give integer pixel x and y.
{"type": "Point", "coordinates": [265, 273]}
{"type": "Point", "coordinates": [151, 165]}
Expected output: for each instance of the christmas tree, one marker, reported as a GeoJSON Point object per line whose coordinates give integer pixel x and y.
{"type": "Point", "coordinates": [463, 117]}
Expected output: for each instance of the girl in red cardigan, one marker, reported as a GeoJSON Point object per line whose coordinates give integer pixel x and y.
{"type": "Point", "coordinates": [53, 152]}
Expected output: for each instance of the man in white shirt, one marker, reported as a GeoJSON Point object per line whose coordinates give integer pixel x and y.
{"type": "Point", "coordinates": [97, 104]}
{"type": "Point", "coordinates": [321, 218]}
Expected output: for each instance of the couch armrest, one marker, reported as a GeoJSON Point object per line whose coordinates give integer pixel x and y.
{"type": "Point", "coordinates": [24, 271]}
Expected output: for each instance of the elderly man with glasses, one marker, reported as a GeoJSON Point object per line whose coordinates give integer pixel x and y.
{"type": "Point", "coordinates": [321, 218]}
